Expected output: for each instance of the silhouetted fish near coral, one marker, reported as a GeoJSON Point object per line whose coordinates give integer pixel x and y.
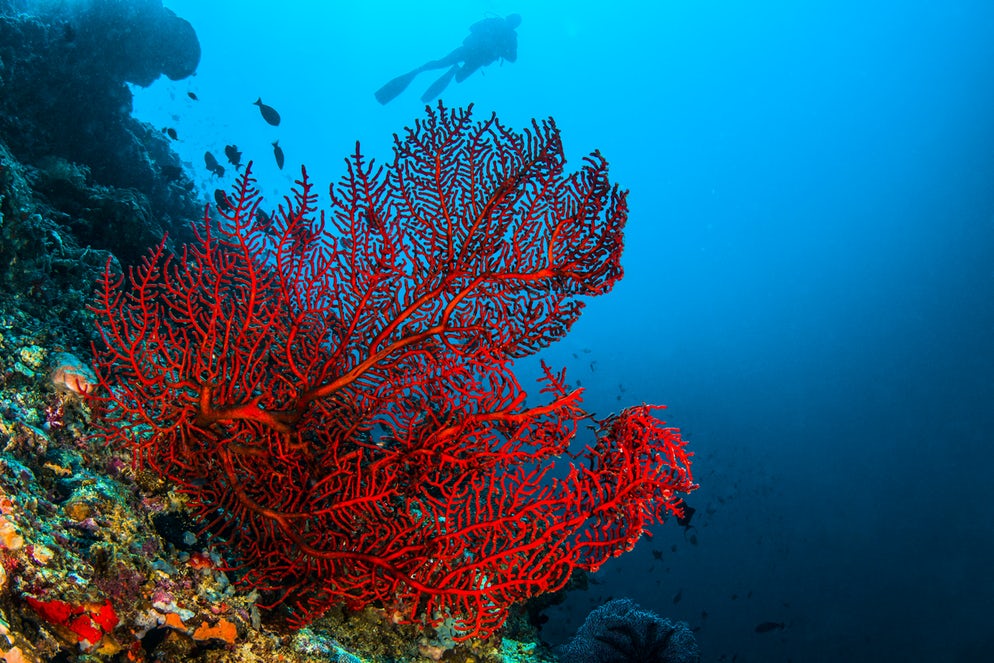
{"type": "Point", "coordinates": [678, 596]}
{"type": "Point", "coordinates": [688, 515]}
{"type": "Point", "coordinates": [213, 165]}
{"type": "Point", "coordinates": [767, 627]}
{"type": "Point", "coordinates": [278, 153]}
{"type": "Point", "coordinates": [193, 96]}
{"type": "Point", "coordinates": [234, 156]}
{"type": "Point", "coordinates": [263, 220]}
{"type": "Point", "coordinates": [169, 131]}
{"type": "Point", "coordinates": [222, 200]}
{"type": "Point", "coordinates": [269, 113]}
{"type": "Point", "coordinates": [689, 531]}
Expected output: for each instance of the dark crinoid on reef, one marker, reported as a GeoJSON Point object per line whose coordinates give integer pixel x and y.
{"type": "Point", "coordinates": [630, 644]}
{"type": "Point", "coordinates": [621, 632]}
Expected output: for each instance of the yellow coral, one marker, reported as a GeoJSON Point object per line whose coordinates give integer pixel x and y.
{"type": "Point", "coordinates": [33, 356]}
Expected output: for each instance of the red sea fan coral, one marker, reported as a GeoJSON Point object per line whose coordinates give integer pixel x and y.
{"type": "Point", "coordinates": [334, 391]}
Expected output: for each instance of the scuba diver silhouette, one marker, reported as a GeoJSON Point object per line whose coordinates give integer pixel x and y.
{"type": "Point", "coordinates": [489, 40]}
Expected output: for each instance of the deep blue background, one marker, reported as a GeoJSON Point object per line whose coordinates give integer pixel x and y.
{"type": "Point", "coordinates": [809, 275]}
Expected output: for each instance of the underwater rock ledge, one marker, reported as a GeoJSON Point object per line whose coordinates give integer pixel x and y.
{"type": "Point", "coordinates": [65, 119]}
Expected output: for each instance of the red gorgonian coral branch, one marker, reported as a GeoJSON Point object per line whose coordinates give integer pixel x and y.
{"type": "Point", "coordinates": [334, 390]}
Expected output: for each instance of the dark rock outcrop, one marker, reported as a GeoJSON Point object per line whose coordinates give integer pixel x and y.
{"type": "Point", "coordinates": [64, 69]}
{"type": "Point", "coordinates": [81, 180]}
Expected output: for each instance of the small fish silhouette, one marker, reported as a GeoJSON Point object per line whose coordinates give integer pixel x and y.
{"type": "Point", "coordinates": [169, 131]}
{"type": "Point", "coordinates": [213, 165]}
{"type": "Point", "coordinates": [193, 96]}
{"type": "Point", "coordinates": [263, 220]}
{"type": "Point", "coordinates": [222, 200]}
{"type": "Point", "coordinates": [278, 153]}
{"type": "Point", "coordinates": [766, 627]}
{"type": "Point", "coordinates": [234, 156]}
{"type": "Point", "coordinates": [269, 113]}
{"type": "Point", "coordinates": [688, 515]}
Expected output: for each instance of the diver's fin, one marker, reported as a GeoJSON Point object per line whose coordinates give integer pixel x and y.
{"type": "Point", "coordinates": [439, 85]}
{"type": "Point", "coordinates": [386, 93]}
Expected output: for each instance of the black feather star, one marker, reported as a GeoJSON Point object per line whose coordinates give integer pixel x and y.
{"type": "Point", "coordinates": [633, 645]}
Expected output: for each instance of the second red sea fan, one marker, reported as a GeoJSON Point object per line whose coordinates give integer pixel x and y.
{"type": "Point", "coordinates": [334, 390]}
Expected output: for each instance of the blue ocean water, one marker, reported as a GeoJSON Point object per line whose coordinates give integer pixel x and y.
{"type": "Point", "coordinates": [809, 276]}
